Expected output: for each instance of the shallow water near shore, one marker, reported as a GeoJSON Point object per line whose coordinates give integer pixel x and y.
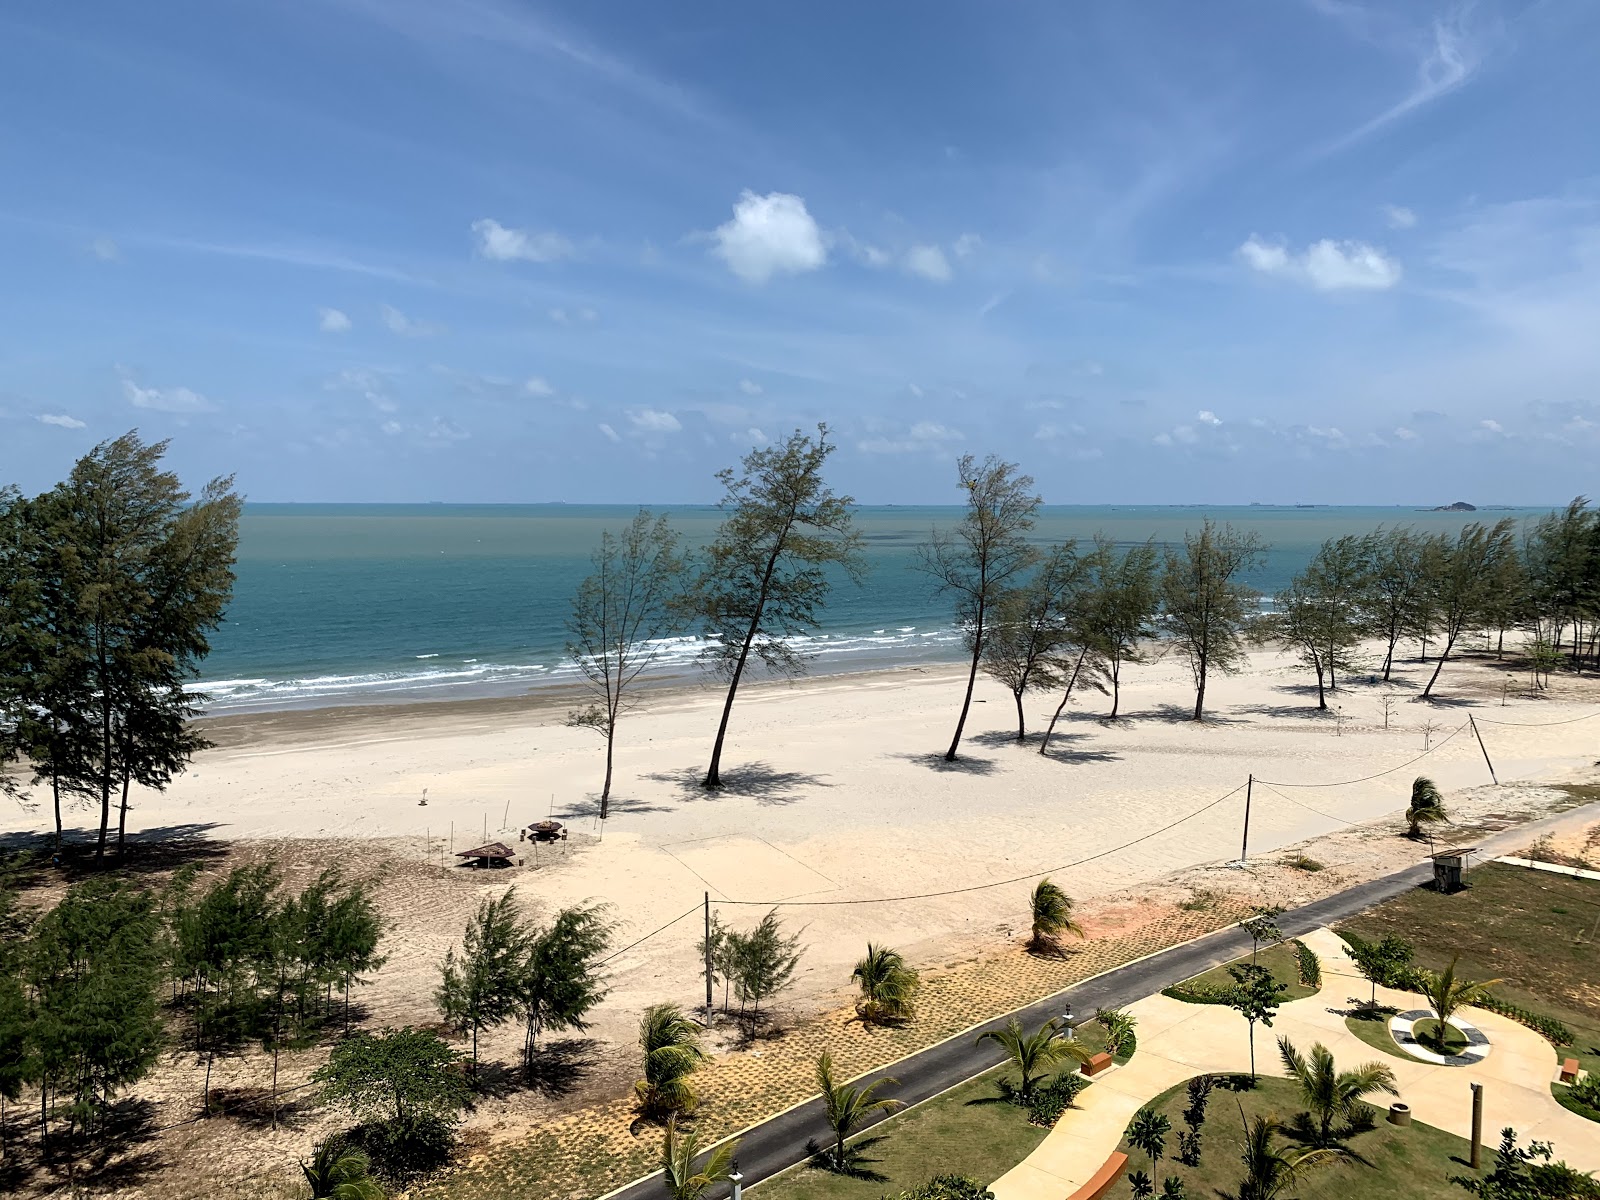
{"type": "Point", "coordinates": [364, 604]}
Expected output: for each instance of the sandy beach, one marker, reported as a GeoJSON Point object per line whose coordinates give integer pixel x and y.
{"type": "Point", "coordinates": [836, 793]}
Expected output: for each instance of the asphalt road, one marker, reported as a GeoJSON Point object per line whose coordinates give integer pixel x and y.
{"type": "Point", "coordinates": [780, 1142]}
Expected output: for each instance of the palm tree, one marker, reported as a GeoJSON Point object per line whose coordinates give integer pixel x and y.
{"type": "Point", "coordinates": [1147, 1132]}
{"type": "Point", "coordinates": [1267, 1172]}
{"type": "Point", "coordinates": [1446, 994]}
{"type": "Point", "coordinates": [888, 986]}
{"type": "Point", "coordinates": [1035, 1053]}
{"type": "Point", "coordinates": [1427, 806]}
{"type": "Point", "coordinates": [679, 1149]}
{"type": "Point", "coordinates": [671, 1044]}
{"type": "Point", "coordinates": [340, 1172]}
{"type": "Point", "coordinates": [1328, 1093]}
{"type": "Point", "coordinates": [847, 1107]}
{"type": "Point", "coordinates": [1052, 917]}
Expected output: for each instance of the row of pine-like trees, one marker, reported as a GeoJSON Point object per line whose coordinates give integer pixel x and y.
{"type": "Point", "coordinates": [93, 989]}
{"type": "Point", "coordinates": [110, 585]}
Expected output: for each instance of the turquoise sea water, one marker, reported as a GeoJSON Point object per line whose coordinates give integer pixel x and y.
{"type": "Point", "coordinates": [340, 604]}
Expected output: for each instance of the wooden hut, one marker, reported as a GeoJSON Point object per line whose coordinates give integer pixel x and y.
{"type": "Point", "coordinates": [490, 854]}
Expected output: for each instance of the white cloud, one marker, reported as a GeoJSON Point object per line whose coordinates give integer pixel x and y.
{"type": "Point", "coordinates": [1206, 417]}
{"type": "Point", "coordinates": [768, 235]}
{"type": "Point", "coordinates": [1399, 216]}
{"type": "Point", "coordinates": [174, 400]}
{"type": "Point", "coordinates": [61, 420]}
{"type": "Point", "coordinates": [392, 428]}
{"type": "Point", "coordinates": [652, 420]}
{"type": "Point", "coordinates": [573, 316]}
{"type": "Point", "coordinates": [1491, 426]}
{"type": "Point", "coordinates": [914, 390]}
{"type": "Point", "coordinates": [924, 436]}
{"type": "Point", "coordinates": [537, 386]}
{"type": "Point", "coordinates": [398, 322]}
{"type": "Point", "coordinates": [105, 249]}
{"type": "Point", "coordinates": [967, 245]}
{"type": "Point", "coordinates": [611, 434]}
{"type": "Point", "coordinates": [1326, 265]}
{"type": "Point", "coordinates": [750, 387]}
{"type": "Point", "coordinates": [1404, 434]}
{"type": "Point", "coordinates": [928, 262]}
{"type": "Point", "coordinates": [751, 436]}
{"type": "Point", "coordinates": [497, 242]}
{"type": "Point", "coordinates": [333, 321]}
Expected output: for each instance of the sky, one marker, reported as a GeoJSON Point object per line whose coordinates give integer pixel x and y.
{"type": "Point", "coordinates": [1296, 251]}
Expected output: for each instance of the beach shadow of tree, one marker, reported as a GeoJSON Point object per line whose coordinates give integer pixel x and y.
{"type": "Point", "coordinates": [963, 765]}
{"type": "Point", "coordinates": [149, 852]}
{"type": "Point", "coordinates": [1448, 701]}
{"type": "Point", "coordinates": [252, 1106]}
{"type": "Point", "coordinates": [113, 1158]}
{"type": "Point", "coordinates": [559, 1068]}
{"type": "Point", "coordinates": [589, 808]}
{"type": "Point", "coordinates": [1289, 711]}
{"type": "Point", "coordinates": [1064, 748]}
{"type": "Point", "coordinates": [758, 781]}
{"type": "Point", "coordinates": [997, 739]}
{"type": "Point", "coordinates": [1180, 714]}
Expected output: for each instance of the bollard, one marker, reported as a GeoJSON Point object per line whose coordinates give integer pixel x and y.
{"type": "Point", "coordinates": [1477, 1125]}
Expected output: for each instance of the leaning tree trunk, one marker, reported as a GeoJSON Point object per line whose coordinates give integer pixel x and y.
{"type": "Point", "coordinates": [972, 679]}
{"type": "Point", "coordinates": [713, 777]}
{"type": "Point", "coordinates": [1065, 696]}
{"type": "Point", "coordinates": [1443, 657]}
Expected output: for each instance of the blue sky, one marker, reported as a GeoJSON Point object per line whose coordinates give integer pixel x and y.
{"type": "Point", "coordinates": [490, 250]}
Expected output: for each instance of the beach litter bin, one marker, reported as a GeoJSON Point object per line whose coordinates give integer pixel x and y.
{"type": "Point", "coordinates": [1399, 1114]}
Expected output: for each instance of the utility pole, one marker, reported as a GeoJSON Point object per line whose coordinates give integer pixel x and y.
{"type": "Point", "coordinates": [1244, 843]}
{"type": "Point", "coordinates": [709, 1000]}
{"type": "Point", "coordinates": [1484, 748]}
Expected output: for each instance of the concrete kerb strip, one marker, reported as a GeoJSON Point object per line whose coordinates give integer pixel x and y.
{"type": "Point", "coordinates": [1397, 878]}
{"type": "Point", "coordinates": [1402, 1028]}
{"type": "Point", "coordinates": [1553, 868]}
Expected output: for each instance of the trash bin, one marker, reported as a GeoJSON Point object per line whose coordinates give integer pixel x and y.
{"type": "Point", "coordinates": [1399, 1114]}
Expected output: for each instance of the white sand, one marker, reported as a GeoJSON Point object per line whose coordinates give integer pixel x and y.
{"type": "Point", "coordinates": [835, 793]}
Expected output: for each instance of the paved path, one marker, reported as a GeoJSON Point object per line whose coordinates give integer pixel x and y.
{"type": "Point", "coordinates": [1178, 1040]}
{"type": "Point", "coordinates": [779, 1142]}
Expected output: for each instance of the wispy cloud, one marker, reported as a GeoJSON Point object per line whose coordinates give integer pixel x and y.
{"type": "Point", "coordinates": [1327, 266]}
{"type": "Point", "coordinates": [1449, 57]}
{"type": "Point", "coordinates": [172, 400]}
{"type": "Point", "coordinates": [289, 255]}
{"type": "Point", "coordinates": [1399, 217]}
{"type": "Point", "coordinates": [405, 326]}
{"type": "Point", "coordinates": [501, 244]}
{"type": "Point", "coordinates": [331, 320]}
{"type": "Point", "coordinates": [928, 262]}
{"type": "Point", "coordinates": [60, 420]}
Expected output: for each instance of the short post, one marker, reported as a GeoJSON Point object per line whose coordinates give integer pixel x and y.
{"type": "Point", "coordinates": [1066, 1021]}
{"type": "Point", "coordinates": [1477, 1125]}
{"type": "Point", "coordinates": [737, 1180]}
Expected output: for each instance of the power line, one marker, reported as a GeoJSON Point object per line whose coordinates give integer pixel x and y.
{"type": "Point", "coordinates": [1377, 774]}
{"type": "Point", "coordinates": [1539, 724]}
{"type": "Point", "coordinates": [979, 887]}
{"type": "Point", "coordinates": [1307, 807]}
{"type": "Point", "coordinates": [647, 936]}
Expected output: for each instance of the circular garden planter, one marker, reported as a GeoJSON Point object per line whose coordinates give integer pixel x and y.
{"type": "Point", "coordinates": [1403, 1025]}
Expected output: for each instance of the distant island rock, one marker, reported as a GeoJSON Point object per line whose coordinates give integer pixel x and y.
{"type": "Point", "coordinates": [1458, 506]}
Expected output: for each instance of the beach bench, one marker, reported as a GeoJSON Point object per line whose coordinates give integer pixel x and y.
{"type": "Point", "coordinates": [1103, 1180]}
{"type": "Point", "coordinates": [1096, 1064]}
{"type": "Point", "coordinates": [1569, 1071]}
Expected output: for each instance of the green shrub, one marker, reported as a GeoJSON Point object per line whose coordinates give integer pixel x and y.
{"type": "Point", "coordinates": [1051, 1101]}
{"type": "Point", "coordinates": [1310, 964]}
{"type": "Point", "coordinates": [1548, 1028]}
{"type": "Point", "coordinates": [1121, 1040]}
{"type": "Point", "coordinates": [1587, 1091]}
{"type": "Point", "coordinates": [945, 1187]}
{"type": "Point", "coordinates": [1198, 993]}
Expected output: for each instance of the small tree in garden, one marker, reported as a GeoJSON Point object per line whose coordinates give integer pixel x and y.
{"type": "Point", "coordinates": [1052, 917]}
{"type": "Point", "coordinates": [407, 1083]}
{"type": "Point", "coordinates": [1446, 994]}
{"type": "Point", "coordinates": [1141, 1184]}
{"type": "Point", "coordinates": [1119, 1027]}
{"type": "Point", "coordinates": [888, 986]}
{"type": "Point", "coordinates": [765, 962]}
{"type": "Point", "coordinates": [1329, 1094]}
{"type": "Point", "coordinates": [480, 988]}
{"type": "Point", "coordinates": [1194, 1116]}
{"type": "Point", "coordinates": [679, 1148]}
{"type": "Point", "coordinates": [1387, 962]}
{"type": "Point", "coordinates": [672, 1053]}
{"type": "Point", "coordinates": [1033, 1054]}
{"type": "Point", "coordinates": [1254, 996]}
{"type": "Point", "coordinates": [1268, 1171]}
{"type": "Point", "coordinates": [1262, 928]}
{"type": "Point", "coordinates": [1426, 808]}
{"type": "Point", "coordinates": [847, 1108]}
{"type": "Point", "coordinates": [1147, 1133]}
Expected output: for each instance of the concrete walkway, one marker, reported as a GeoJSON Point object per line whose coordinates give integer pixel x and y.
{"type": "Point", "coordinates": [1178, 1040]}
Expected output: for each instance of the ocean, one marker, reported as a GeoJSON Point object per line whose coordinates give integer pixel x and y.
{"type": "Point", "coordinates": [376, 604]}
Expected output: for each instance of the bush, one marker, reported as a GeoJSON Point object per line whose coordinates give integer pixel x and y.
{"type": "Point", "coordinates": [1199, 993]}
{"type": "Point", "coordinates": [1587, 1091]}
{"type": "Point", "coordinates": [1548, 1028]}
{"type": "Point", "coordinates": [1051, 1101]}
{"type": "Point", "coordinates": [945, 1187]}
{"type": "Point", "coordinates": [1301, 862]}
{"type": "Point", "coordinates": [1310, 964]}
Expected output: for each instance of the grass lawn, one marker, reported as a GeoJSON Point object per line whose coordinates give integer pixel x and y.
{"type": "Point", "coordinates": [966, 1131]}
{"type": "Point", "coordinates": [1516, 924]}
{"type": "Point", "coordinates": [1280, 960]}
{"type": "Point", "coordinates": [1415, 1162]}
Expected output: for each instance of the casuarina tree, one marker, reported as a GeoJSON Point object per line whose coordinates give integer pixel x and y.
{"type": "Point", "coordinates": [983, 556]}
{"type": "Point", "coordinates": [765, 576]}
{"type": "Point", "coordinates": [1031, 627]}
{"type": "Point", "coordinates": [481, 987]}
{"type": "Point", "coordinates": [1207, 607]}
{"type": "Point", "coordinates": [621, 616]}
